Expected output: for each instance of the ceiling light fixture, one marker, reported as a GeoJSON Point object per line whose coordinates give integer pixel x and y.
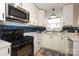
{"type": "Point", "coordinates": [53, 14]}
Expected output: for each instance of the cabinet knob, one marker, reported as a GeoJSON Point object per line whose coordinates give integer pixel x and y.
{"type": "Point", "coordinates": [62, 38]}
{"type": "Point", "coordinates": [51, 36]}
{"type": "Point", "coordinates": [38, 42]}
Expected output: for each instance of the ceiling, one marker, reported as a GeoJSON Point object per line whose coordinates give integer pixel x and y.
{"type": "Point", "coordinates": [48, 6]}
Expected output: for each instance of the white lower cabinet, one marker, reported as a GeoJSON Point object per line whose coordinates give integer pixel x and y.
{"type": "Point", "coordinates": [75, 48]}
{"type": "Point", "coordinates": [65, 45]}
{"type": "Point", "coordinates": [5, 48]}
{"type": "Point", "coordinates": [60, 43]}
{"type": "Point", "coordinates": [46, 41]}
{"type": "Point", "coordinates": [55, 42]}
{"type": "Point", "coordinates": [5, 51]}
{"type": "Point", "coordinates": [37, 43]}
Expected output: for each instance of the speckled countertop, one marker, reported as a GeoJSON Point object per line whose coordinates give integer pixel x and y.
{"type": "Point", "coordinates": [72, 36]}
{"type": "Point", "coordinates": [4, 43]}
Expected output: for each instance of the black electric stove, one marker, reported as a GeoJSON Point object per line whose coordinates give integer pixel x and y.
{"type": "Point", "coordinates": [21, 45]}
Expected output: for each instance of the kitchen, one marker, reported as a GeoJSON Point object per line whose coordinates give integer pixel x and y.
{"type": "Point", "coordinates": [27, 29]}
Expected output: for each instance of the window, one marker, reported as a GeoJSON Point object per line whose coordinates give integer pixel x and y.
{"type": "Point", "coordinates": [54, 24]}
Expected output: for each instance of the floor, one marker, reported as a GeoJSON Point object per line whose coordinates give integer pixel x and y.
{"type": "Point", "coordinates": [40, 52]}
{"type": "Point", "coordinates": [47, 52]}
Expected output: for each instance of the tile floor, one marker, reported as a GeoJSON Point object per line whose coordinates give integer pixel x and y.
{"type": "Point", "coordinates": [47, 52]}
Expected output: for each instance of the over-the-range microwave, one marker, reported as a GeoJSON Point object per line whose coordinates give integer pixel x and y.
{"type": "Point", "coordinates": [17, 13]}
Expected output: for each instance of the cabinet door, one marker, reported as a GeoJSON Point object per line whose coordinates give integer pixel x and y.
{"type": "Point", "coordinates": [2, 11]}
{"type": "Point", "coordinates": [68, 14]}
{"type": "Point", "coordinates": [75, 48]}
{"type": "Point", "coordinates": [40, 41]}
{"type": "Point", "coordinates": [6, 51]}
{"type": "Point", "coordinates": [65, 45]}
{"type": "Point", "coordinates": [42, 17]}
{"type": "Point", "coordinates": [56, 42]}
{"type": "Point", "coordinates": [46, 41]}
{"type": "Point", "coordinates": [37, 43]}
{"type": "Point", "coordinates": [43, 40]}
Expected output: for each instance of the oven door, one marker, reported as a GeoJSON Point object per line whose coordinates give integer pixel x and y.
{"type": "Point", "coordinates": [23, 50]}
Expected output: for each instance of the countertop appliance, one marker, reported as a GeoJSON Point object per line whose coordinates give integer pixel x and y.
{"type": "Point", "coordinates": [21, 45]}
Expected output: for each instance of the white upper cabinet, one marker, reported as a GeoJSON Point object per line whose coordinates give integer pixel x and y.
{"type": "Point", "coordinates": [71, 14]}
{"type": "Point", "coordinates": [68, 15]}
{"type": "Point", "coordinates": [42, 19]}
{"type": "Point", "coordinates": [2, 12]}
{"type": "Point", "coordinates": [34, 12]}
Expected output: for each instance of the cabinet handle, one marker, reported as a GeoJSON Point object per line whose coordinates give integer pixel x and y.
{"type": "Point", "coordinates": [38, 42]}
{"type": "Point", "coordinates": [62, 38]}
{"type": "Point", "coordinates": [8, 50]}
{"type": "Point", "coordinates": [51, 36]}
{"type": "Point", "coordinates": [2, 15]}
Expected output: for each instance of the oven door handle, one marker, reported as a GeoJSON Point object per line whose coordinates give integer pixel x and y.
{"type": "Point", "coordinates": [15, 46]}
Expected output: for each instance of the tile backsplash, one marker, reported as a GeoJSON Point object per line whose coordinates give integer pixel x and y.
{"type": "Point", "coordinates": [21, 26]}
{"type": "Point", "coordinates": [16, 23]}
{"type": "Point", "coordinates": [71, 29]}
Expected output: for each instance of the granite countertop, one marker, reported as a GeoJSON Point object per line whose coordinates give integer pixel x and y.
{"type": "Point", "coordinates": [4, 43]}
{"type": "Point", "coordinates": [72, 36]}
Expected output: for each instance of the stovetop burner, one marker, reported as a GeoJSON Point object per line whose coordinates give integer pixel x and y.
{"type": "Point", "coordinates": [14, 36]}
